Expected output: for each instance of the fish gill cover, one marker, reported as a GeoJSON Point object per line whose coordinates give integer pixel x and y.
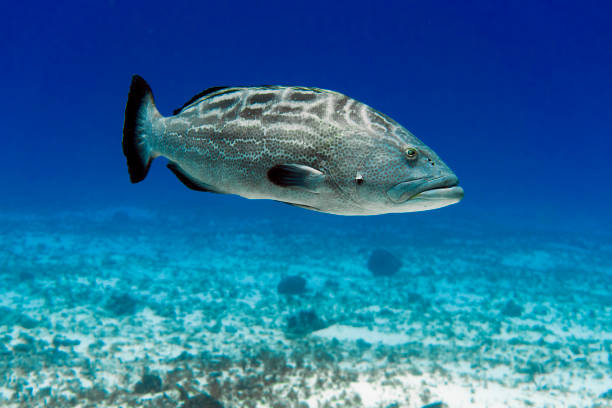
{"type": "Point", "coordinates": [156, 295]}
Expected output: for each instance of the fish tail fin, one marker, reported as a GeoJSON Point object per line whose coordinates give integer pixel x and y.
{"type": "Point", "coordinates": [140, 113]}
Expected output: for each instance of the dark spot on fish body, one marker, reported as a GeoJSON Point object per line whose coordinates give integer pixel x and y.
{"type": "Point", "coordinates": [341, 103]}
{"type": "Point", "coordinates": [318, 110]}
{"type": "Point", "coordinates": [232, 113]}
{"type": "Point", "coordinates": [251, 113]}
{"type": "Point", "coordinates": [355, 114]}
{"type": "Point", "coordinates": [302, 96]}
{"type": "Point", "coordinates": [261, 98]}
{"type": "Point", "coordinates": [222, 104]}
{"type": "Point", "coordinates": [338, 116]}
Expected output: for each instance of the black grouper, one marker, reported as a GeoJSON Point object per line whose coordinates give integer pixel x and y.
{"type": "Point", "coordinates": [308, 147]}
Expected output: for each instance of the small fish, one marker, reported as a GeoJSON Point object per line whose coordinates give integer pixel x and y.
{"type": "Point", "coordinates": [307, 147]}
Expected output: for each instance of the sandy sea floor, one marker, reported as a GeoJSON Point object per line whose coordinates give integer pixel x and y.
{"type": "Point", "coordinates": [127, 307]}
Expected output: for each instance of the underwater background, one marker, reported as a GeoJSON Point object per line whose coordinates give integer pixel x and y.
{"type": "Point", "coordinates": [113, 294]}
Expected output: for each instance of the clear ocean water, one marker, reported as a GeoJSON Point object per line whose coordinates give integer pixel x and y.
{"type": "Point", "coordinates": [115, 294]}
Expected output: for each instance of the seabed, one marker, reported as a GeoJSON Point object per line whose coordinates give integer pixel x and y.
{"type": "Point", "coordinates": [133, 308]}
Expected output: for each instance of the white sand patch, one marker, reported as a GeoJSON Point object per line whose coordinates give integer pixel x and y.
{"type": "Point", "coordinates": [82, 280]}
{"type": "Point", "coordinates": [111, 379]}
{"type": "Point", "coordinates": [107, 283]}
{"type": "Point", "coordinates": [10, 299]}
{"type": "Point", "coordinates": [350, 333]}
{"type": "Point", "coordinates": [360, 393]}
{"type": "Point", "coordinates": [150, 318]}
{"type": "Point", "coordinates": [194, 320]}
{"type": "Point", "coordinates": [251, 300]}
{"type": "Point", "coordinates": [6, 394]}
{"type": "Point", "coordinates": [578, 331]}
{"type": "Point", "coordinates": [85, 341]}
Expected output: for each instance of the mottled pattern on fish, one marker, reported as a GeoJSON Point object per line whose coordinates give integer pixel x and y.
{"type": "Point", "coordinates": [228, 140]}
{"type": "Point", "coordinates": [231, 138]}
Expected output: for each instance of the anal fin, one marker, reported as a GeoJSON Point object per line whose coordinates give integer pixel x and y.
{"type": "Point", "coordinates": [189, 181]}
{"type": "Point", "coordinates": [304, 206]}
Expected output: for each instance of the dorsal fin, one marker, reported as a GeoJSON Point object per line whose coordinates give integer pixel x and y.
{"type": "Point", "coordinates": [198, 96]}
{"type": "Point", "coordinates": [216, 89]}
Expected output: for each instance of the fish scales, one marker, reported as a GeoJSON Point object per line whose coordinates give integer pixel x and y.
{"type": "Point", "coordinates": [308, 147]}
{"type": "Point", "coordinates": [279, 129]}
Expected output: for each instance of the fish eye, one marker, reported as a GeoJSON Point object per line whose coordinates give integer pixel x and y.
{"type": "Point", "coordinates": [411, 153]}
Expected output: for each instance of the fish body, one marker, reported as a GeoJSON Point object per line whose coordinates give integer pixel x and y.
{"type": "Point", "coordinates": [308, 147]}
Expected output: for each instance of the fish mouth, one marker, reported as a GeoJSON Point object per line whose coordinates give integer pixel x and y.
{"type": "Point", "coordinates": [444, 188]}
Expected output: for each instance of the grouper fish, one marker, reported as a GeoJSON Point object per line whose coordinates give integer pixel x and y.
{"type": "Point", "coordinates": [308, 147]}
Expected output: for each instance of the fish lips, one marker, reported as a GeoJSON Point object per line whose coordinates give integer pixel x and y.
{"type": "Point", "coordinates": [439, 188]}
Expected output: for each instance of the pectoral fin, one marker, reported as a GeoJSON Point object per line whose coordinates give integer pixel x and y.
{"type": "Point", "coordinates": [296, 175]}
{"type": "Point", "coordinates": [189, 181]}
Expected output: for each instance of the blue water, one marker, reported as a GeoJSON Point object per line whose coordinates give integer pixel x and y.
{"type": "Point", "coordinates": [514, 96]}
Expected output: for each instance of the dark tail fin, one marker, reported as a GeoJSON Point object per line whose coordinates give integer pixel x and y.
{"type": "Point", "coordinates": [140, 113]}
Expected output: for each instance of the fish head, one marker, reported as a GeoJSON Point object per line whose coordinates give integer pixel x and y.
{"type": "Point", "coordinates": [402, 174]}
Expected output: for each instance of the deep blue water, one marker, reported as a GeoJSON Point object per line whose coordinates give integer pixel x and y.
{"type": "Point", "coordinates": [514, 96]}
